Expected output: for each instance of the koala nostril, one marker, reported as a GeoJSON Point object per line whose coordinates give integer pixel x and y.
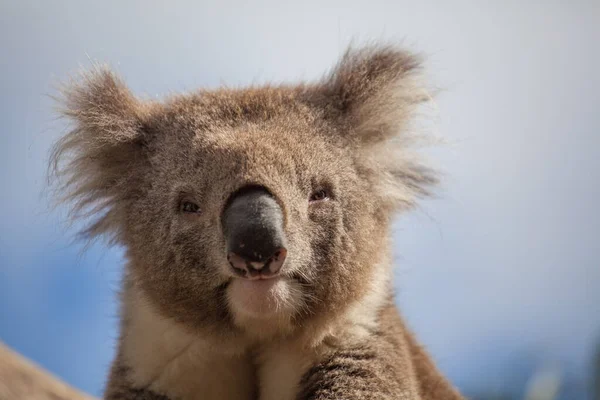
{"type": "Point", "coordinates": [250, 268]}
{"type": "Point", "coordinates": [237, 262]}
{"type": "Point", "coordinates": [277, 260]}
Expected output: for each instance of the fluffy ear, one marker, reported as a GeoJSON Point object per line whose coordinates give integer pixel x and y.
{"type": "Point", "coordinates": [375, 90]}
{"type": "Point", "coordinates": [372, 94]}
{"type": "Point", "coordinates": [98, 161]}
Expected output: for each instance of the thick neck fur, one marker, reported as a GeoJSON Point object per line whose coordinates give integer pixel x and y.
{"type": "Point", "coordinates": [169, 358]}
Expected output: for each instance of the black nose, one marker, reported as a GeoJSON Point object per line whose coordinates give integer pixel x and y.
{"type": "Point", "coordinates": [253, 226]}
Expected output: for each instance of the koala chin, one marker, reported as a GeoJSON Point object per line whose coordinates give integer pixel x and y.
{"type": "Point", "coordinates": [256, 223]}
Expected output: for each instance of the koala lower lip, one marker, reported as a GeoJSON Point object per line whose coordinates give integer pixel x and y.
{"type": "Point", "coordinates": [258, 277]}
{"type": "Point", "coordinates": [261, 277]}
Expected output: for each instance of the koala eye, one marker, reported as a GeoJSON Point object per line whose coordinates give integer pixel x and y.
{"type": "Point", "coordinates": [189, 207]}
{"type": "Point", "coordinates": [319, 195]}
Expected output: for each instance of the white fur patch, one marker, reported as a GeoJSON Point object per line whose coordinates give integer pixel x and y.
{"type": "Point", "coordinates": [265, 313]}
{"type": "Point", "coordinates": [172, 361]}
{"type": "Point", "coordinates": [362, 317]}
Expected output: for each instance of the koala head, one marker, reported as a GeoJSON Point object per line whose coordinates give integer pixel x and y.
{"type": "Point", "coordinates": [248, 207]}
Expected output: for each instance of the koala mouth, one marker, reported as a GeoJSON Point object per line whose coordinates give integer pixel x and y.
{"type": "Point", "coordinates": [257, 270]}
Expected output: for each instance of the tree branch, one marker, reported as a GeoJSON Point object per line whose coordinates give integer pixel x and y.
{"type": "Point", "coordinates": [21, 379]}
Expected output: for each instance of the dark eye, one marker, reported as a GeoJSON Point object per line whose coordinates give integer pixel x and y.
{"type": "Point", "coordinates": [319, 195]}
{"type": "Point", "coordinates": [189, 207]}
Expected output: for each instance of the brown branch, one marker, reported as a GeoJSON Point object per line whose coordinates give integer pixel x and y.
{"type": "Point", "coordinates": [21, 379]}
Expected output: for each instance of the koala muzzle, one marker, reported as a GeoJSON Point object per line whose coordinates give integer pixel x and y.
{"type": "Point", "coordinates": [253, 227]}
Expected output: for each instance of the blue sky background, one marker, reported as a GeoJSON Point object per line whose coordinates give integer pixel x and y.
{"type": "Point", "coordinates": [497, 275]}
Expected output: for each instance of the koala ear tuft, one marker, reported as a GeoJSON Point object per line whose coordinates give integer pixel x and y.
{"type": "Point", "coordinates": [372, 96]}
{"type": "Point", "coordinates": [101, 105]}
{"type": "Point", "coordinates": [375, 90]}
{"type": "Point", "coordinates": [96, 164]}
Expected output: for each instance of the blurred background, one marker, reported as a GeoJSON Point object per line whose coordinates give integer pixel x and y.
{"type": "Point", "coordinates": [499, 275]}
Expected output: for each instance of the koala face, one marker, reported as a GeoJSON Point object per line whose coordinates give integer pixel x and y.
{"type": "Point", "coordinates": [295, 189]}
{"type": "Point", "coordinates": [252, 207]}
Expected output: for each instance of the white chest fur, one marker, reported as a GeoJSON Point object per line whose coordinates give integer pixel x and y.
{"type": "Point", "coordinates": [166, 358]}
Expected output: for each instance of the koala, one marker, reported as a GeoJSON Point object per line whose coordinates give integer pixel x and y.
{"type": "Point", "coordinates": [256, 228]}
